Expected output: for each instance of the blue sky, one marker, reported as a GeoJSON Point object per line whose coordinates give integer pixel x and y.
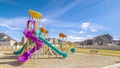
{"type": "Point", "coordinates": [78, 19]}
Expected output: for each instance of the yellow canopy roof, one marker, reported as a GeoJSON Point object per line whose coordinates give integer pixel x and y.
{"type": "Point", "coordinates": [35, 14]}
{"type": "Point", "coordinates": [42, 30]}
{"type": "Point", "coordinates": [62, 35]}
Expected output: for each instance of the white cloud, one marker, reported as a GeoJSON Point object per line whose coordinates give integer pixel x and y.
{"type": "Point", "coordinates": [12, 2]}
{"type": "Point", "coordinates": [44, 20]}
{"type": "Point", "coordinates": [73, 31]}
{"type": "Point", "coordinates": [89, 36]}
{"type": "Point", "coordinates": [93, 30]}
{"type": "Point", "coordinates": [11, 28]}
{"type": "Point", "coordinates": [52, 30]}
{"type": "Point", "coordinates": [62, 24]}
{"type": "Point", "coordinates": [97, 27]}
{"type": "Point", "coordinates": [116, 38]}
{"type": "Point", "coordinates": [17, 23]}
{"type": "Point", "coordinates": [75, 38]}
{"type": "Point", "coordinates": [81, 32]}
{"type": "Point", "coordinates": [85, 25]}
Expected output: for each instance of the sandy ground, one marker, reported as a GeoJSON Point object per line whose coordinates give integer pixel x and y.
{"type": "Point", "coordinates": [76, 60]}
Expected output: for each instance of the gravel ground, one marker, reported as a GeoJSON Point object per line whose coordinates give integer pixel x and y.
{"type": "Point", "coordinates": [76, 60]}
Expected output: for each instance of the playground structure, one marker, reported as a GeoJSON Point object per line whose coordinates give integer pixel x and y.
{"type": "Point", "coordinates": [63, 45]}
{"type": "Point", "coordinates": [46, 50]}
{"type": "Point", "coordinates": [34, 40]}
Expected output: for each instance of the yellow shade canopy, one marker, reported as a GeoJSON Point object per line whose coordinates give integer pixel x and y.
{"type": "Point", "coordinates": [43, 30]}
{"type": "Point", "coordinates": [62, 35]}
{"type": "Point", "coordinates": [35, 14]}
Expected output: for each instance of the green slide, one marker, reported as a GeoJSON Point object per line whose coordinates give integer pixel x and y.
{"type": "Point", "coordinates": [20, 50]}
{"type": "Point", "coordinates": [52, 47]}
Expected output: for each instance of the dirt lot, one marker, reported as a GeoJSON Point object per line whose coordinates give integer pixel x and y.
{"type": "Point", "coordinates": [76, 60]}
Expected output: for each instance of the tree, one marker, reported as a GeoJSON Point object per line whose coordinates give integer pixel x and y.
{"type": "Point", "coordinates": [15, 44]}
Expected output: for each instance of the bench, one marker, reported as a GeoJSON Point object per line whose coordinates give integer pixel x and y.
{"type": "Point", "coordinates": [94, 51]}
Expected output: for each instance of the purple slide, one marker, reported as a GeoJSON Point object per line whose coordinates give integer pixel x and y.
{"type": "Point", "coordinates": [39, 44]}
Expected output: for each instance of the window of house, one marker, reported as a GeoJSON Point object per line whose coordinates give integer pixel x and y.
{"type": "Point", "coordinates": [0, 44]}
{"type": "Point", "coordinates": [99, 42]}
{"type": "Point", "coordinates": [4, 40]}
{"type": "Point", "coordinates": [1, 38]}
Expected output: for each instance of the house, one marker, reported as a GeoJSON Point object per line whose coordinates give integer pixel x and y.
{"type": "Point", "coordinates": [6, 40]}
{"type": "Point", "coordinates": [53, 40]}
{"type": "Point", "coordinates": [87, 42]}
{"type": "Point", "coordinates": [102, 40]}
{"type": "Point", "coordinates": [74, 43]}
{"type": "Point", "coordinates": [116, 42]}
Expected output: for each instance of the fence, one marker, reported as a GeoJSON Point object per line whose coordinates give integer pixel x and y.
{"type": "Point", "coordinates": [100, 47]}
{"type": "Point", "coordinates": [9, 47]}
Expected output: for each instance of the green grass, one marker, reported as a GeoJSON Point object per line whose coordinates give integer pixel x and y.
{"type": "Point", "coordinates": [100, 51]}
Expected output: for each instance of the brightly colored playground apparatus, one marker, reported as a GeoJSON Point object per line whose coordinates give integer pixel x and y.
{"type": "Point", "coordinates": [19, 51]}
{"type": "Point", "coordinates": [64, 46]}
{"type": "Point", "coordinates": [32, 33]}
